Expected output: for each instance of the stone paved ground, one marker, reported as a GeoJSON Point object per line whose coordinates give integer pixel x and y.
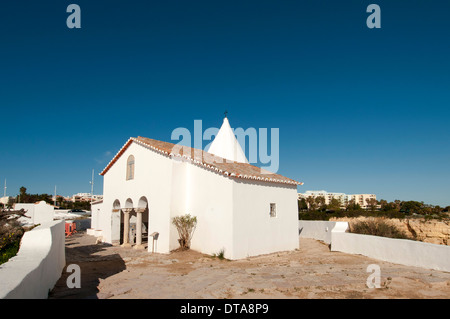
{"type": "Point", "coordinates": [310, 272]}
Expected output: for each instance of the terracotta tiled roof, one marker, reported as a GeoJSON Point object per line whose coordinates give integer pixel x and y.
{"type": "Point", "coordinates": [205, 159]}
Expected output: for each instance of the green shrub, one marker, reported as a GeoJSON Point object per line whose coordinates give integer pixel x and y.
{"type": "Point", "coordinates": [9, 251]}
{"type": "Point", "coordinates": [326, 215]}
{"type": "Point", "coordinates": [11, 233]}
{"type": "Point", "coordinates": [220, 254]}
{"type": "Point", "coordinates": [185, 226]}
{"type": "Point", "coordinates": [313, 215]}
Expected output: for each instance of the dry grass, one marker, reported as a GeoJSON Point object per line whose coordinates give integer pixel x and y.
{"type": "Point", "coordinates": [377, 227]}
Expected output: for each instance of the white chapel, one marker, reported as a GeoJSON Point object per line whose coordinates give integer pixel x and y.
{"type": "Point", "coordinates": [240, 208]}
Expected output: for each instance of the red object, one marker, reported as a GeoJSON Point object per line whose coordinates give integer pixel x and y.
{"type": "Point", "coordinates": [70, 229]}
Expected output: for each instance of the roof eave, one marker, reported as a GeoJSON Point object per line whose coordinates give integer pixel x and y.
{"type": "Point", "coordinates": [193, 161]}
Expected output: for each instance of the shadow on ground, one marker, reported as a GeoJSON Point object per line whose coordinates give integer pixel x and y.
{"type": "Point", "coordinates": [95, 264]}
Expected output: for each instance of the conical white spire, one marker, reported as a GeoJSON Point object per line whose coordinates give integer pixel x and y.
{"type": "Point", "coordinates": [226, 145]}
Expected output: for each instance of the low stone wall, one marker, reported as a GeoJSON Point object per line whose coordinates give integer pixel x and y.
{"type": "Point", "coordinates": [38, 265]}
{"type": "Point", "coordinates": [428, 231]}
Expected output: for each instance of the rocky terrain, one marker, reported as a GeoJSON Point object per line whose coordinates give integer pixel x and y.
{"type": "Point", "coordinates": [310, 272]}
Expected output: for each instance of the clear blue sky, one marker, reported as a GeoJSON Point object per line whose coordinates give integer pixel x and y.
{"type": "Point", "coordinates": [359, 110]}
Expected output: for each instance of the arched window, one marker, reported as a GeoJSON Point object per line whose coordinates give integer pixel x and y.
{"type": "Point", "coordinates": [130, 167]}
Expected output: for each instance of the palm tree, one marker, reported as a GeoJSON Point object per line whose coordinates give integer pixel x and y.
{"type": "Point", "coordinates": [372, 203]}
{"type": "Point", "coordinates": [320, 201]}
{"type": "Point", "coordinates": [311, 203]}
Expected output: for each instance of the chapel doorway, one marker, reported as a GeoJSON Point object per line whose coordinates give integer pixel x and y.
{"type": "Point", "coordinates": [116, 223]}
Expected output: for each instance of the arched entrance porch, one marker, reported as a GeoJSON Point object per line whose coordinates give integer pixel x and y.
{"type": "Point", "coordinates": [134, 223]}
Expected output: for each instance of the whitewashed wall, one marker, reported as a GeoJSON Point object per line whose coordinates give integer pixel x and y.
{"type": "Point", "coordinates": [254, 231]}
{"type": "Point", "coordinates": [232, 214]}
{"type": "Point", "coordinates": [38, 212]}
{"type": "Point", "coordinates": [37, 266]}
{"type": "Point", "coordinates": [178, 199]}
{"type": "Point", "coordinates": [152, 179]}
{"type": "Point", "coordinates": [96, 209]}
{"type": "Point", "coordinates": [209, 197]}
{"type": "Point", "coordinates": [399, 251]}
{"type": "Point", "coordinates": [316, 229]}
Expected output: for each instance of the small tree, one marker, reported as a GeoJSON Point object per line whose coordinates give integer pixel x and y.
{"type": "Point", "coordinates": [185, 226]}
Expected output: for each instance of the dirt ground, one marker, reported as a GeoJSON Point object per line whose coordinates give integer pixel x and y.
{"type": "Point", "coordinates": [311, 272]}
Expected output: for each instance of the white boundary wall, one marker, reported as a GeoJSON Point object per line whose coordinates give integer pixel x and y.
{"type": "Point", "coordinates": [96, 208]}
{"type": "Point", "coordinates": [316, 229]}
{"type": "Point", "coordinates": [399, 251]}
{"type": "Point", "coordinates": [37, 266]}
{"type": "Point", "coordinates": [39, 213]}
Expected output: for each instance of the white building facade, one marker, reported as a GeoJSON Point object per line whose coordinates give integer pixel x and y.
{"type": "Point", "coordinates": [239, 209]}
{"type": "Point", "coordinates": [85, 197]}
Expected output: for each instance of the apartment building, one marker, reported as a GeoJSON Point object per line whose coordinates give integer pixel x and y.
{"type": "Point", "coordinates": [85, 197]}
{"type": "Point", "coordinates": [343, 198]}
{"type": "Point", "coordinates": [361, 199]}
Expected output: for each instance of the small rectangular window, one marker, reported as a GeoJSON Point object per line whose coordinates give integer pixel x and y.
{"type": "Point", "coordinates": [273, 210]}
